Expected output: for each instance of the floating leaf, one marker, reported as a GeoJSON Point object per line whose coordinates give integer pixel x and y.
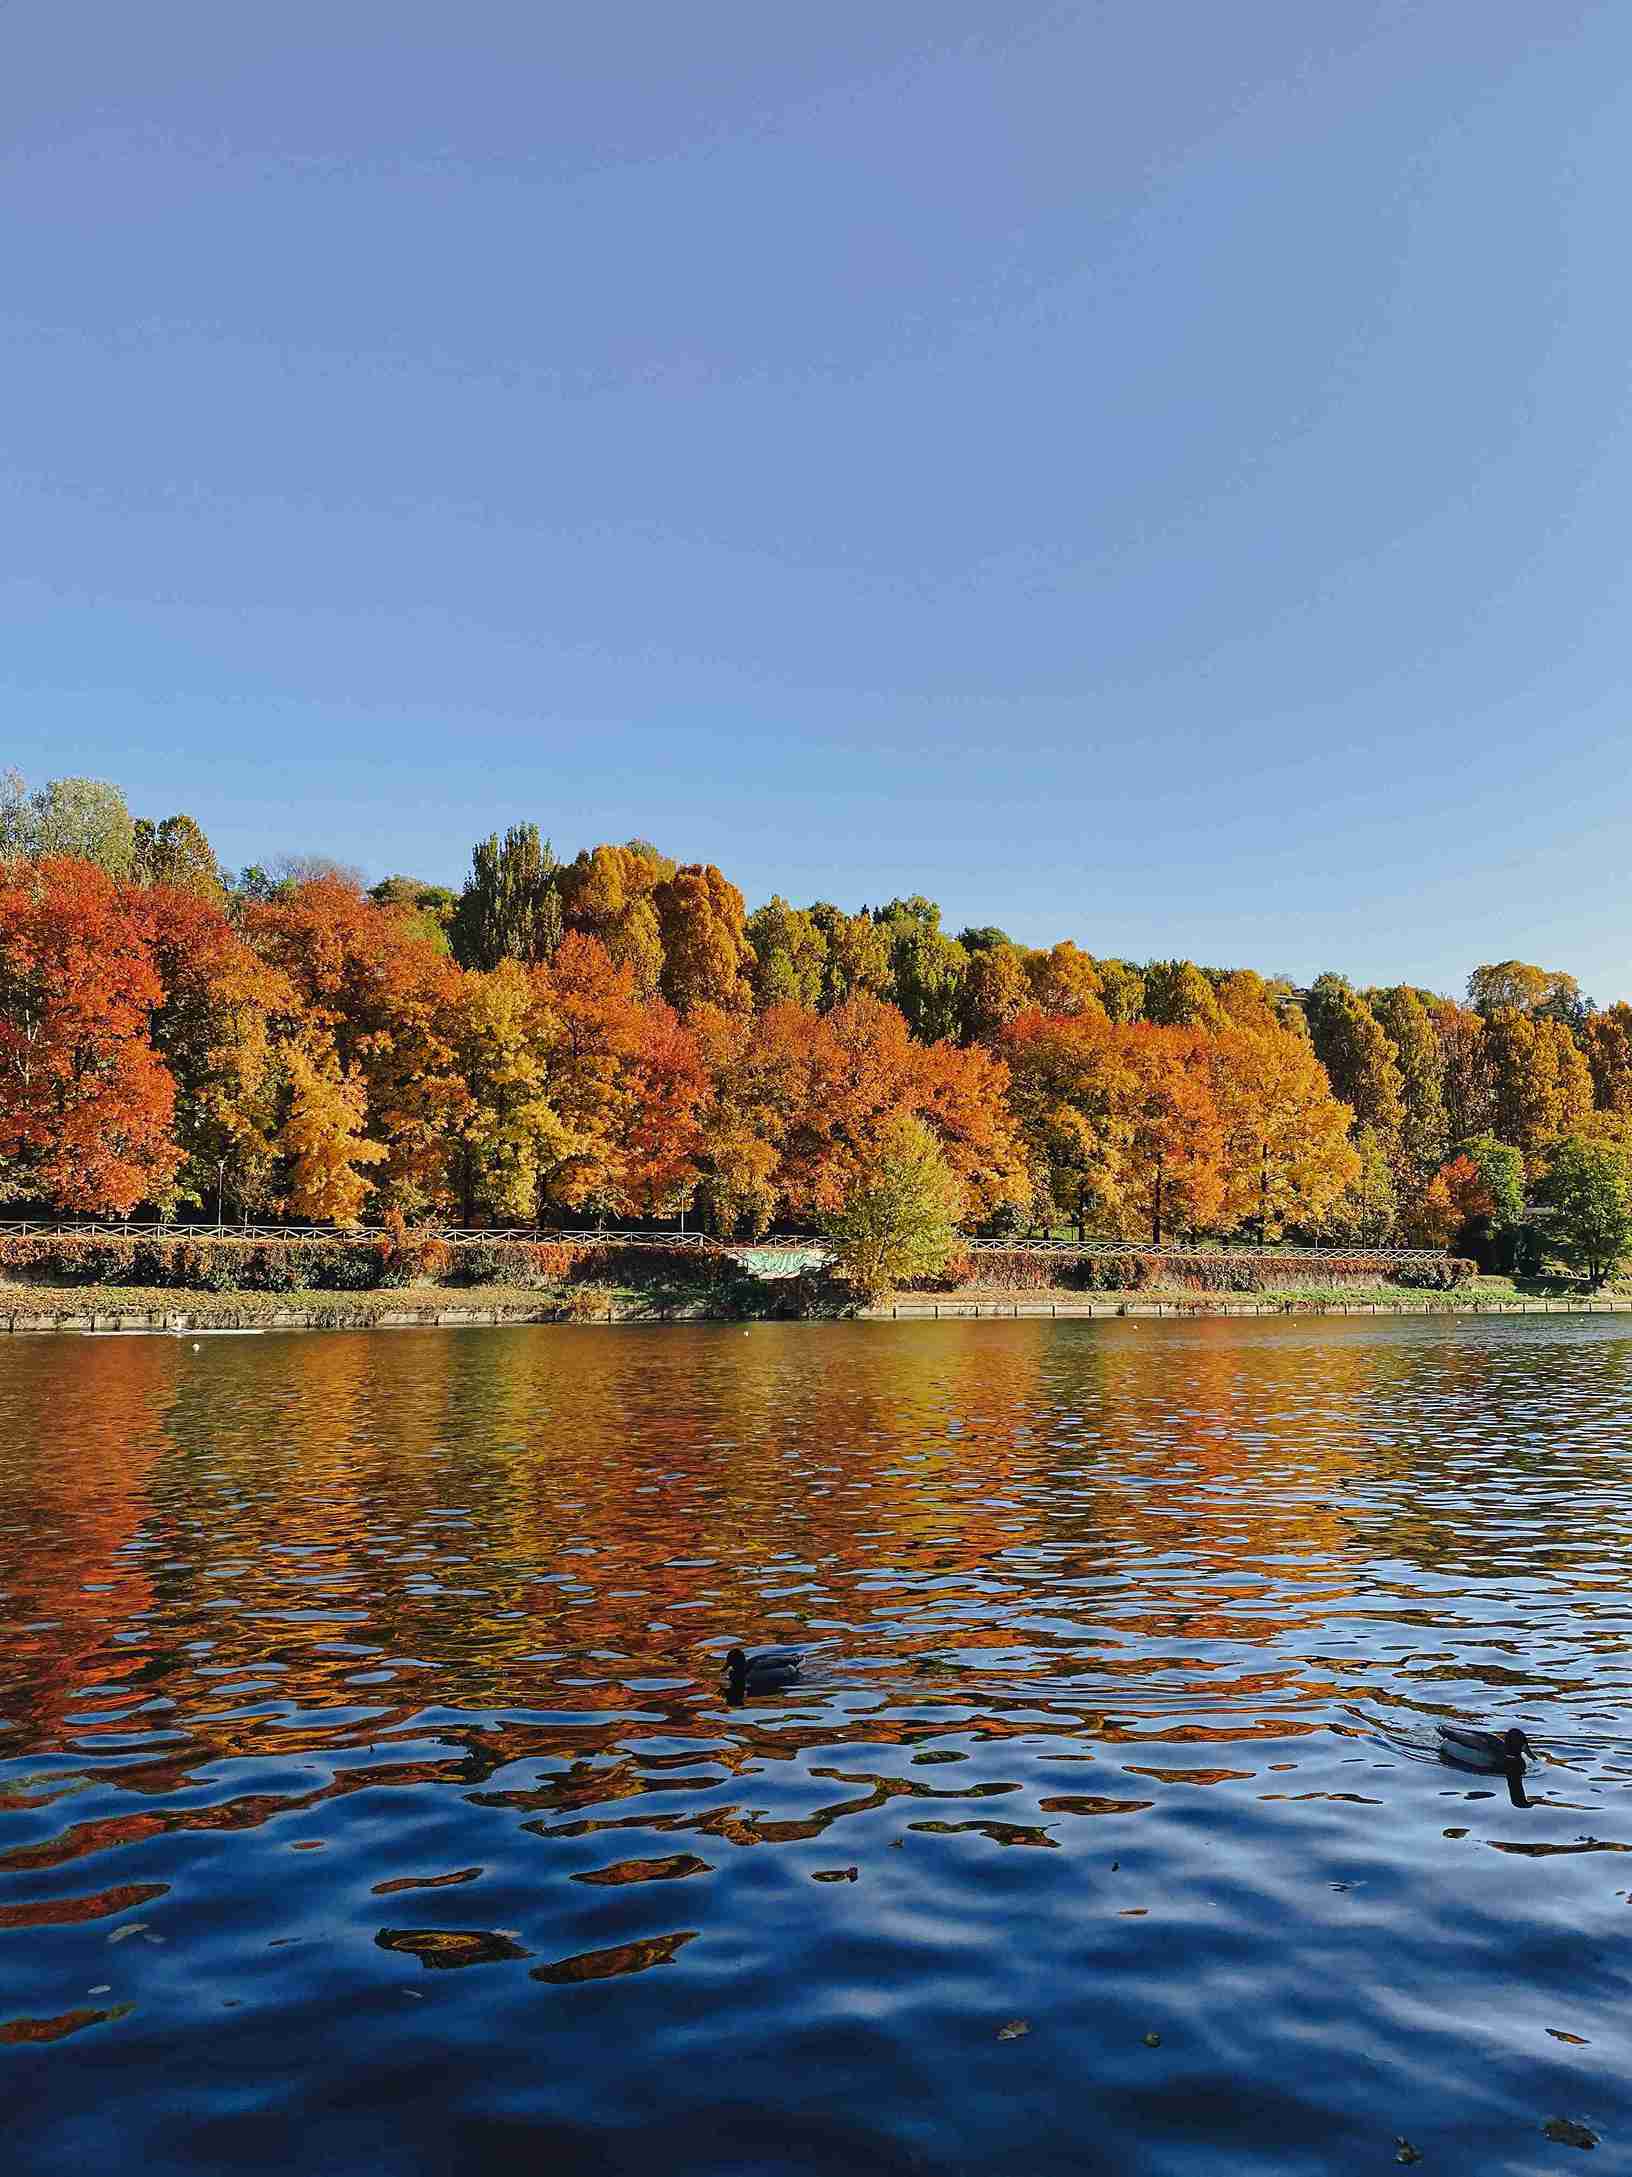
{"type": "Point", "coordinates": [1405, 2152]}
{"type": "Point", "coordinates": [1568, 2133]}
{"type": "Point", "coordinates": [1153, 2040]}
{"type": "Point", "coordinates": [1013, 2028]}
{"type": "Point", "coordinates": [440, 1949]}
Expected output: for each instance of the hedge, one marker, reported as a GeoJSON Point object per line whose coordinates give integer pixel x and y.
{"type": "Point", "coordinates": [221, 1264]}
{"type": "Point", "coordinates": [1030, 1269]}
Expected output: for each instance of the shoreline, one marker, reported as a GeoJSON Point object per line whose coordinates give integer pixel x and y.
{"type": "Point", "coordinates": [225, 1312]}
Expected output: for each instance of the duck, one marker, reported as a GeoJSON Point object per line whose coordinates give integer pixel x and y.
{"type": "Point", "coordinates": [761, 1670]}
{"type": "Point", "coordinates": [1466, 1747]}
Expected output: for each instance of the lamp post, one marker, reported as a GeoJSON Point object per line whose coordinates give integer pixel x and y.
{"type": "Point", "coordinates": [220, 1194]}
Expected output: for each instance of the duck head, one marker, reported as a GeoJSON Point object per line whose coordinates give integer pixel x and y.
{"type": "Point", "coordinates": [1516, 1745]}
{"type": "Point", "coordinates": [737, 1664]}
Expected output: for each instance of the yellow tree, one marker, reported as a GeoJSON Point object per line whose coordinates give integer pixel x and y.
{"type": "Point", "coordinates": [1287, 1153]}
{"type": "Point", "coordinates": [323, 1137]}
{"type": "Point", "coordinates": [1064, 980]}
{"type": "Point", "coordinates": [995, 990]}
{"type": "Point", "coordinates": [607, 893]}
{"type": "Point", "coordinates": [1541, 1084]}
{"type": "Point", "coordinates": [511, 1135]}
{"type": "Point", "coordinates": [706, 954]}
{"type": "Point", "coordinates": [1606, 1044]}
{"type": "Point", "coordinates": [899, 1217]}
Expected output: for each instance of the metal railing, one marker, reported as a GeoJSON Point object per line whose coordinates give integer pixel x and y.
{"type": "Point", "coordinates": [621, 1236]}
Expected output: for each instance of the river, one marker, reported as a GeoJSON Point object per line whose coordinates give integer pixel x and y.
{"type": "Point", "coordinates": [369, 1801]}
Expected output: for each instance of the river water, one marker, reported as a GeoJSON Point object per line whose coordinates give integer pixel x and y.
{"type": "Point", "coordinates": [369, 1801]}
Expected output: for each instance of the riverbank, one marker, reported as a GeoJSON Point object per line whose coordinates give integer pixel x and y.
{"type": "Point", "coordinates": [129, 1309]}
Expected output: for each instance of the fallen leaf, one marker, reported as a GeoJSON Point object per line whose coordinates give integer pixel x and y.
{"type": "Point", "coordinates": [1014, 2029]}
{"type": "Point", "coordinates": [1153, 2040]}
{"type": "Point", "coordinates": [1568, 2133]}
{"type": "Point", "coordinates": [1405, 2152]}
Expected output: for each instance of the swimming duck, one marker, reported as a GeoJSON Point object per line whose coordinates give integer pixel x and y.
{"type": "Point", "coordinates": [761, 1670]}
{"type": "Point", "coordinates": [1467, 1748]}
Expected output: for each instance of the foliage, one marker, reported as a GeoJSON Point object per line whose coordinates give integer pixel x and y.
{"type": "Point", "coordinates": [86, 1105]}
{"type": "Point", "coordinates": [1588, 1190]}
{"type": "Point", "coordinates": [510, 908]}
{"type": "Point", "coordinates": [899, 1215]}
{"type": "Point", "coordinates": [83, 820]}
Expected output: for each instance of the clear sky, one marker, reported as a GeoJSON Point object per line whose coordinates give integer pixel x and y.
{"type": "Point", "coordinates": [1156, 473]}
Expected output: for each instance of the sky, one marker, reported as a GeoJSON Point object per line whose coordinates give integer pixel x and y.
{"type": "Point", "coordinates": [1145, 472]}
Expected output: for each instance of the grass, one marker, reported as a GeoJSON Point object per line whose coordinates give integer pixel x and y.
{"type": "Point", "coordinates": [730, 1299]}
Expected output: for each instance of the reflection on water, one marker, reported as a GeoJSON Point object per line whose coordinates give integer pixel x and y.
{"type": "Point", "coordinates": [364, 1751]}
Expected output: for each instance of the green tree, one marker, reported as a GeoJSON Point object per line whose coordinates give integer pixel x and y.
{"type": "Point", "coordinates": [175, 851]}
{"type": "Point", "coordinates": [510, 908]}
{"type": "Point", "coordinates": [1495, 1236]}
{"type": "Point", "coordinates": [1424, 1130]}
{"type": "Point", "coordinates": [1360, 1060]}
{"type": "Point", "coordinates": [899, 1218]}
{"type": "Point", "coordinates": [927, 968]}
{"type": "Point", "coordinates": [1587, 1193]}
{"type": "Point", "coordinates": [85, 820]}
{"type": "Point", "coordinates": [1122, 991]}
{"type": "Point", "coordinates": [790, 955]}
{"type": "Point", "coordinates": [1514, 985]}
{"type": "Point", "coordinates": [1368, 1210]}
{"type": "Point", "coordinates": [858, 955]}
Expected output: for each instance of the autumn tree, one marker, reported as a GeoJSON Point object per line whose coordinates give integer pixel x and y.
{"type": "Point", "coordinates": [220, 1024]}
{"type": "Point", "coordinates": [1122, 991]}
{"type": "Point", "coordinates": [1517, 987]}
{"type": "Point", "coordinates": [383, 996]}
{"type": "Point", "coordinates": [1606, 1044]}
{"type": "Point", "coordinates": [1174, 1132]}
{"type": "Point", "coordinates": [1287, 1155]}
{"type": "Point", "coordinates": [1540, 1082]}
{"type": "Point", "coordinates": [86, 1105]}
{"type": "Point", "coordinates": [1179, 995]}
{"type": "Point", "coordinates": [1466, 1082]}
{"type": "Point", "coordinates": [510, 908]}
{"type": "Point", "coordinates": [995, 991]}
{"type": "Point", "coordinates": [510, 1136]}
{"type": "Point", "coordinates": [1455, 1198]}
{"type": "Point", "coordinates": [898, 1220]}
{"type": "Point", "coordinates": [609, 893]}
{"type": "Point", "coordinates": [322, 1137]}
{"type": "Point", "coordinates": [706, 954]}
{"type": "Point", "coordinates": [1065, 980]}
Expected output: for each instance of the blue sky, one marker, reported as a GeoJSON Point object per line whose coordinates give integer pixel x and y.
{"type": "Point", "coordinates": [1145, 472]}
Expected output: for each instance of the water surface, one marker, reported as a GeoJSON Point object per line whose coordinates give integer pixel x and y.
{"type": "Point", "coordinates": [369, 1800]}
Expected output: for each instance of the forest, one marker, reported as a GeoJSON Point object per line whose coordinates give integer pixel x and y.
{"type": "Point", "coordinates": [616, 1038]}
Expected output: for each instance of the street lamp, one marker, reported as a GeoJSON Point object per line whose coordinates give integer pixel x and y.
{"type": "Point", "coordinates": [220, 1189]}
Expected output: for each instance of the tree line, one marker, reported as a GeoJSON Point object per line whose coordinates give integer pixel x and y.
{"type": "Point", "coordinates": [616, 1036]}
